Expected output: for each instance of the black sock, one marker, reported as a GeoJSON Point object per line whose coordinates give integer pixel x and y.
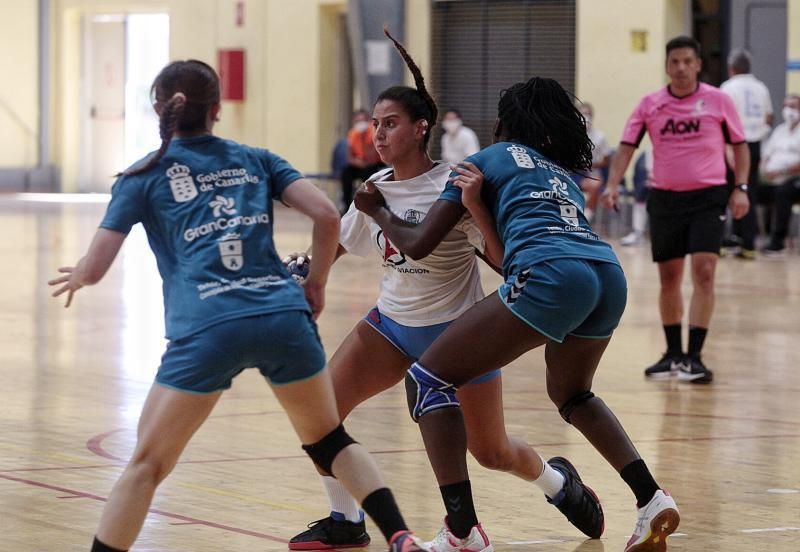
{"type": "Point", "coordinates": [697, 337]}
{"type": "Point", "coordinates": [461, 516]}
{"type": "Point", "coordinates": [98, 546]}
{"type": "Point", "coordinates": [383, 510]}
{"type": "Point", "coordinates": [673, 335]}
{"type": "Point", "coordinates": [638, 478]}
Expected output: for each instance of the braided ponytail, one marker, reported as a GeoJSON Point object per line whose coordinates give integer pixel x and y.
{"type": "Point", "coordinates": [185, 92]}
{"type": "Point", "coordinates": [417, 102]}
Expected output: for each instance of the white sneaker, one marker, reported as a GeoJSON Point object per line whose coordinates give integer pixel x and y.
{"type": "Point", "coordinates": [445, 541]}
{"type": "Point", "coordinates": [657, 520]}
{"type": "Point", "coordinates": [634, 238]}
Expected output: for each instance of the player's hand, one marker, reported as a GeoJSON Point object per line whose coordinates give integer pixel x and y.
{"type": "Point", "coordinates": [739, 204]}
{"type": "Point", "coordinates": [70, 282]}
{"type": "Point", "coordinates": [610, 198]}
{"type": "Point", "coordinates": [369, 200]}
{"type": "Point", "coordinates": [315, 295]}
{"type": "Point", "coordinates": [470, 180]}
{"type": "Point", "coordinates": [298, 265]}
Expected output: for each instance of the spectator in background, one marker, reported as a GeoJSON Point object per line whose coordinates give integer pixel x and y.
{"type": "Point", "coordinates": [362, 158]}
{"type": "Point", "coordinates": [458, 141]}
{"type": "Point", "coordinates": [642, 174]}
{"type": "Point", "coordinates": [754, 106]}
{"type": "Point", "coordinates": [781, 167]}
{"type": "Point", "coordinates": [601, 157]}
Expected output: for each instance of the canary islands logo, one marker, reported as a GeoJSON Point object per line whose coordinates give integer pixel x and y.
{"type": "Point", "coordinates": [181, 183]}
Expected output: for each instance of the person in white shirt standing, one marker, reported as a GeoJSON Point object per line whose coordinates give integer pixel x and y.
{"type": "Point", "coordinates": [458, 141]}
{"type": "Point", "coordinates": [752, 100]}
{"type": "Point", "coordinates": [592, 184]}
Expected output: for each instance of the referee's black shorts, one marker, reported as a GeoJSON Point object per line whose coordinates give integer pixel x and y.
{"type": "Point", "coordinates": [682, 223]}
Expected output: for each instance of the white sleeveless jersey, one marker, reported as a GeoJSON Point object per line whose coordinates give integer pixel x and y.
{"type": "Point", "coordinates": [429, 291]}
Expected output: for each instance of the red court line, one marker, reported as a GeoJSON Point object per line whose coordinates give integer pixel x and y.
{"type": "Point", "coordinates": [187, 519]}
{"type": "Point", "coordinates": [414, 450]}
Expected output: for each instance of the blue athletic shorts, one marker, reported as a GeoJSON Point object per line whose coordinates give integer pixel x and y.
{"type": "Point", "coordinates": [284, 346]}
{"type": "Point", "coordinates": [413, 341]}
{"type": "Point", "coordinates": [562, 297]}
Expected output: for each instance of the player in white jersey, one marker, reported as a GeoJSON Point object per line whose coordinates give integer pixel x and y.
{"type": "Point", "coordinates": [754, 106]}
{"type": "Point", "coordinates": [417, 301]}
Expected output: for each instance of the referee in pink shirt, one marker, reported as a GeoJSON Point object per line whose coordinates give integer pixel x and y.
{"type": "Point", "coordinates": [689, 124]}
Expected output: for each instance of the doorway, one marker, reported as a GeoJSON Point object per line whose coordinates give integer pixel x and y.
{"type": "Point", "coordinates": [121, 56]}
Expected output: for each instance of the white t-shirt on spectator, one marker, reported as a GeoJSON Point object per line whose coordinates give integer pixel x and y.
{"type": "Point", "coordinates": [753, 103]}
{"type": "Point", "coordinates": [781, 151]}
{"type": "Point", "coordinates": [601, 148]}
{"type": "Point", "coordinates": [432, 290]}
{"type": "Point", "coordinates": [456, 147]}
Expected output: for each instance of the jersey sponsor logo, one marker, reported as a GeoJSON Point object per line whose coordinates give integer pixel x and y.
{"type": "Point", "coordinates": [222, 204]}
{"type": "Point", "coordinates": [391, 255]}
{"type": "Point", "coordinates": [570, 214]}
{"type": "Point", "coordinates": [680, 127]}
{"type": "Point", "coordinates": [226, 177]}
{"type": "Point", "coordinates": [230, 252]}
{"type": "Point", "coordinates": [191, 234]}
{"type": "Point", "coordinates": [181, 183]}
{"type": "Point", "coordinates": [700, 106]}
{"type": "Point", "coordinates": [521, 157]}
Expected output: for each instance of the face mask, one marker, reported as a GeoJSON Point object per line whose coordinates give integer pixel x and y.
{"type": "Point", "coordinates": [790, 115]}
{"type": "Point", "coordinates": [361, 126]}
{"type": "Point", "coordinates": [451, 125]}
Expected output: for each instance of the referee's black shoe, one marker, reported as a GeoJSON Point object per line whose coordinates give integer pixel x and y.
{"type": "Point", "coordinates": [331, 533]}
{"type": "Point", "coordinates": [694, 371]}
{"type": "Point", "coordinates": [577, 501]}
{"type": "Point", "coordinates": [667, 366]}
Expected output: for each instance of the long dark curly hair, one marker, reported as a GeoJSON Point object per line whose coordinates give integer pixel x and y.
{"type": "Point", "coordinates": [540, 114]}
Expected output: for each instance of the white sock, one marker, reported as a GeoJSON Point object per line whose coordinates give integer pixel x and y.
{"type": "Point", "coordinates": [340, 499]}
{"type": "Point", "coordinates": [551, 481]}
{"type": "Point", "coordinates": [639, 218]}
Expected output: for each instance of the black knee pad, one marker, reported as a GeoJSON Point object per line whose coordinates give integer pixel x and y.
{"type": "Point", "coordinates": [568, 407]}
{"type": "Point", "coordinates": [324, 451]}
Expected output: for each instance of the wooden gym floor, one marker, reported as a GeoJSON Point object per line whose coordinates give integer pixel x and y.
{"type": "Point", "coordinates": [73, 382]}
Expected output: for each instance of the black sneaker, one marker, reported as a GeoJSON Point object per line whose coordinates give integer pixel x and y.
{"type": "Point", "coordinates": [330, 533]}
{"type": "Point", "coordinates": [577, 501]}
{"type": "Point", "coordinates": [666, 367]}
{"type": "Point", "coordinates": [774, 249]}
{"type": "Point", "coordinates": [695, 372]}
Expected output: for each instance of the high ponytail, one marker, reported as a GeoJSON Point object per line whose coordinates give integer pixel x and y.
{"type": "Point", "coordinates": [185, 92]}
{"type": "Point", "coordinates": [417, 102]}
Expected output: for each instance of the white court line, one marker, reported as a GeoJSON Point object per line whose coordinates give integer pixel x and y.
{"type": "Point", "coordinates": [770, 530]}
{"type": "Point", "coordinates": [63, 198]}
{"type": "Point", "coordinates": [783, 491]}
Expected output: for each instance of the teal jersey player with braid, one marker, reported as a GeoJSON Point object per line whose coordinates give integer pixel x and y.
{"type": "Point", "coordinates": [206, 206]}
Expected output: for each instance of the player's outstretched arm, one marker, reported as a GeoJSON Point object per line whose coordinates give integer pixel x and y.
{"type": "Point", "coordinates": [304, 196]}
{"type": "Point", "coordinates": [92, 267]}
